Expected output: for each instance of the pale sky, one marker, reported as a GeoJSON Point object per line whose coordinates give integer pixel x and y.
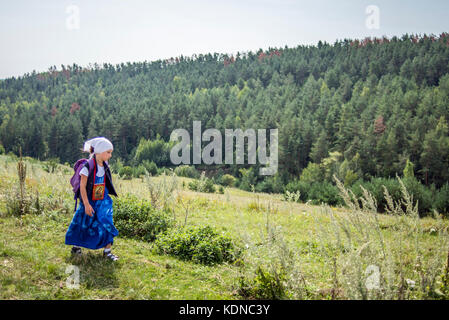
{"type": "Point", "coordinates": [35, 35]}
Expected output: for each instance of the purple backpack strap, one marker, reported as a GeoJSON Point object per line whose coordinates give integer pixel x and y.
{"type": "Point", "coordinates": [90, 163]}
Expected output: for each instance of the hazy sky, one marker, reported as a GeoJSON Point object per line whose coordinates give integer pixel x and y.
{"type": "Point", "coordinates": [35, 35]}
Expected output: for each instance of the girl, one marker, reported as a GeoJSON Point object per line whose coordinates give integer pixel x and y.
{"type": "Point", "coordinates": [92, 226]}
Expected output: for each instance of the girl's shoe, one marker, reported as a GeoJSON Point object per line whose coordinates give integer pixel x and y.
{"type": "Point", "coordinates": [110, 256]}
{"type": "Point", "coordinates": [76, 251]}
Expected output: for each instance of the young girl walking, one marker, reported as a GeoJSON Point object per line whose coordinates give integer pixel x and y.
{"type": "Point", "coordinates": [92, 226]}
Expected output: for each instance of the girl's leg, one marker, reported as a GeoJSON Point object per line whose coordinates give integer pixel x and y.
{"type": "Point", "coordinates": [108, 254]}
{"type": "Point", "coordinates": [76, 250]}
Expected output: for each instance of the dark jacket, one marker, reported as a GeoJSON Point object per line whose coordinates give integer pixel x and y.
{"type": "Point", "coordinates": [91, 180]}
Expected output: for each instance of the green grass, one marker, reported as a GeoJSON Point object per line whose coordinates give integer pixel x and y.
{"type": "Point", "coordinates": [34, 258]}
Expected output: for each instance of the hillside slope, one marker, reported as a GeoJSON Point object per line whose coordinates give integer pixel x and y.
{"type": "Point", "coordinates": [303, 239]}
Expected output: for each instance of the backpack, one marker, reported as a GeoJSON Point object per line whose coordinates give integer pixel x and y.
{"type": "Point", "coordinates": [76, 178]}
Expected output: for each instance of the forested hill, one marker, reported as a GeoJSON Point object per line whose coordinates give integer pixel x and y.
{"type": "Point", "coordinates": [378, 102]}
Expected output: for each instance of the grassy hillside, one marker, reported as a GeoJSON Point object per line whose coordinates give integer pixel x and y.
{"type": "Point", "coordinates": [290, 250]}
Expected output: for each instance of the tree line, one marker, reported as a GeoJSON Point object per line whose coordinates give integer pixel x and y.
{"type": "Point", "coordinates": [360, 108]}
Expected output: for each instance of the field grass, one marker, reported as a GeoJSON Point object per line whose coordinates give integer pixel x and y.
{"type": "Point", "coordinates": [320, 249]}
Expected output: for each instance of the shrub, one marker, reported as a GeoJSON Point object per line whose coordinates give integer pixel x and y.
{"type": "Point", "coordinates": [193, 185]}
{"type": "Point", "coordinates": [292, 196]}
{"type": "Point", "coordinates": [420, 192]}
{"type": "Point", "coordinates": [138, 219]}
{"type": "Point", "coordinates": [350, 178]}
{"type": "Point", "coordinates": [187, 171]}
{"type": "Point", "coordinates": [409, 169]}
{"type": "Point", "coordinates": [139, 171]}
{"type": "Point", "coordinates": [199, 244]}
{"type": "Point", "coordinates": [270, 185]}
{"type": "Point", "coordinates": [156, 150]}
{"type": "Point", "coordinates": [324, 192]}
{"type": "Point", "coordinates": [151, 167]}
{"type": "Point", "coordinates": [441, 203]}
{"type": "Point", "coordinates": [312, 173]}
{"type": "Point", "coordinates": [217, 175]}
{"type": "Point", "coordinates": [248, 179]}
{"type": "Point", "coordinates": [126, 173]}
{"type": "Point", "coordinates": [18, 200]}
{"type": "Point", "coordinates": [204, 184]}
{"type": "Point", "coordinates": [227, 180]}
{"type": "Point", "coordinates": [375, 187]}
{"type": "Point", "coordinates": [17, 204]}
{"type": "Point", "coordinates": [162, 190]}
{"type": "Point", "coordinates": [298, 186]}
{"type": "Point", "coordinates": [12, 155]}
{"type": "Point", "coordinates": [116, 165]}
{"type": "Point", "coordinates": [266, 285]}
{"type": "Point", "coordinates": [2, 149]}
{"type": "Point", "coordinates": [164, 171]}
{"type": "Point", "coordinates": [317, 192]}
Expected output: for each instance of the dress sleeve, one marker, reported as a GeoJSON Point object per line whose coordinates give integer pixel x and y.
{"type": "Point", "coordinates": [84, 171]}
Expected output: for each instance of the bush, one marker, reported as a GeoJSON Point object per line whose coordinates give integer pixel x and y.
{"type": "Point", "coordinates": [156, 150]}
{"type": "Point", "coordinates": [116, 165]}
{"type": "Point", "coordinates": [2, 149]}
{"type": "Point", "coordinates": [12, 155]}
{"type": "Point", "coordinates": [297, 185]}
{"type": "Point", "coordinates": [227, 180]}
{"type": "Point", "coordinates": [375, 187]}
{"type": "Point", "coordinates": [139, 171]}
{"type": "Point", "coordinates": [350, 178]}
{"type": "Point", "coordinates": [126, 172]}
{"type": "Point", "coordinates": [162, 191]}
{"type": "Point", "coordinates": [199, 244]}
{"type": "Point", "coordinates": [266, 285]}
{"type": "Point", "coordinates": [312, 173]}
{"type": "Point", "coordinates": [17, 205]}
{"type": "Point", "coordinates": [248, 179]}
{"type": "Point", "coordinates": [324, 192]}
{"type": "Point", "coordinates": [420, 192]}
{"type": "Point", "coordinates": [441, 203]}
{"type": "Point", "coordinates": [204, 184]}
{"type": "Point", "coordinates": [164, 171]}
{"type": "Point", "coordinates": [270, 185]}
{"type": "Point", "coordinates": [292, 196]}
{"type": "Point", "coordinates": [138, 219]}
{"type": "Point", "coordinates": [151, 167]}
{"type": "Point", "coordinates": [317, 192]}
{"type": "Point", "coordinates": [18, 200]}
{"type": "Point", "coordinates": [187, 171]}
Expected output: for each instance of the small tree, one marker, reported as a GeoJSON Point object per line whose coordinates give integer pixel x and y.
{"type": "Point", "coordinates": [313, 173]}
{"type": "Point", "coordinates": [409, 169]}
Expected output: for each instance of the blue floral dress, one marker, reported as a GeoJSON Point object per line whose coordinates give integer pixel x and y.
{"type": "Point", "coordinates": [93, 232]}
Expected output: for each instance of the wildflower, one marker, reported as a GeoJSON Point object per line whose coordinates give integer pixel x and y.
{"type": "Point", "coordinates": [410, 283]}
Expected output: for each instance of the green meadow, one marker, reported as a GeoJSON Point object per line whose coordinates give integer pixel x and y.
{"type": "Point", "coordinates": [288, 250]}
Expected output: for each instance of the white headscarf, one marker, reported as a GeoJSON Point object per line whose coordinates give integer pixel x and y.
{"type": "Point", "coordinates": [100, 144]}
